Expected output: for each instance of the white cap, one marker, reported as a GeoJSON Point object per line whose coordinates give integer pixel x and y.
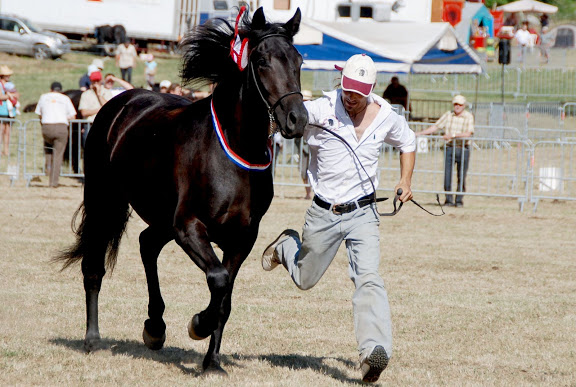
{"type": "Point", "coordinates": [92, 68]}
{"type": "Point", "coordinates": [459, 99]}
{"type": "Point", "coordinates": [98, 63]}
{"type": "Point", "coordinates": [165, 83]}
{"type": "Point", "coordinates": [359, 74]}
{"type": "Point", "coordinates": [306, 95]}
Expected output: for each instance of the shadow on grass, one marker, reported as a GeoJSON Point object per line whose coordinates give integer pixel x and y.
{"type": "Point", "coordinates": [181, 358]}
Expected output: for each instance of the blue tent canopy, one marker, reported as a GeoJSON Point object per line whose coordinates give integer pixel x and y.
{"type": "Point", "coordinates": [395, 47]}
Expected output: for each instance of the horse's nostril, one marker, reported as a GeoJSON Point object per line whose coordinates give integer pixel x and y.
{"type": "Point", "coordinates": [291, 121]}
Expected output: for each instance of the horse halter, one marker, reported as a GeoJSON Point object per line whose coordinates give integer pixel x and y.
{"type": "Point", "coordinates": [271, 109]}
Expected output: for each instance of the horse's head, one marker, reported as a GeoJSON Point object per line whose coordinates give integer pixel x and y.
{"type": "Point", "coordinates": [274, 67]}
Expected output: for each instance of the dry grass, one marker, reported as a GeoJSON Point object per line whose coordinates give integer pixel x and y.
{"type": "Point", "coordinates": [485, 295]}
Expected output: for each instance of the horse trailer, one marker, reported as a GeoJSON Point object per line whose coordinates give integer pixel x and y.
{"type": "Point", "coordinates": [159, 21]}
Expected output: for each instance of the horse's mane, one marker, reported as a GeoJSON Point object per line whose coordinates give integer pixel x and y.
{"type": "Point", "coordinates": [206, 49]}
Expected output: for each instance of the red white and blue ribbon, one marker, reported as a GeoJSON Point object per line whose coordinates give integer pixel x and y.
{"type": "Point", "coordinates": [239, 47]}
{"type": "Point", "coordinates": [239, 161]}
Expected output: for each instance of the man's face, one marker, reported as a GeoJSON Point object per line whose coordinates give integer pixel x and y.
{"type": "Point", "coordinates": [353, 102]}
{"type": "Point", "coordinates": [458, 108]}
{"type": "Point", "coordinates": [109, 83]}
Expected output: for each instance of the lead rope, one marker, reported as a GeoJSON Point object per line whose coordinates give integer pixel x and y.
{"type": "Point", "coordinates": [376, 200]}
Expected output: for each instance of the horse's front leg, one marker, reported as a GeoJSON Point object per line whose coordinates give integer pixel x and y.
{"type": "Point", "coordinates": [191, 235]}
{"type": "Point", "coordinates": [232, 262]}
{"type": "Point", "coordinates": [152, 240]}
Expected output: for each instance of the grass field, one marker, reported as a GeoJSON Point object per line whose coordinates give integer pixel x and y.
{"type": "Point", "coordinates": [484, 295]}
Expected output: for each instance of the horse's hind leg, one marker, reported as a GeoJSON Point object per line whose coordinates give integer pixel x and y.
{"type": "Point", "coordinates": [151, 243]}
{"type": "Point", "coordinates": [93, 271]}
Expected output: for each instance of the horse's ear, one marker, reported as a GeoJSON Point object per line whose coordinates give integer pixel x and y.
{"type": "Point", "coordinates": [293, 25]}
{"type": "Point", "coordinates": [258, 20]}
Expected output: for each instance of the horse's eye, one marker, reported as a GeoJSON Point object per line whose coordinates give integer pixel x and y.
{"type": "Point", "coordinates": [261, 62]}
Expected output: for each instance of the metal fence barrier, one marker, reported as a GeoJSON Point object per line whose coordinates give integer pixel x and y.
{"type": "Point", "coordinates": [10, 160]}
{"type": "Point", "coordinates": [34, 148]}
{"type": "Point", "coordinates": [504, 161]}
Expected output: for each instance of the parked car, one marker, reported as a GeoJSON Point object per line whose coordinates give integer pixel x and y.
{"type": "Point", "coordinates": [20, 36]}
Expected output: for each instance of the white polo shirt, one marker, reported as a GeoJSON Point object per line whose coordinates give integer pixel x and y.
{"type": "Point", "coordinates": [334, 172]}
{"type": "Point", "coordinates": [55, 108]}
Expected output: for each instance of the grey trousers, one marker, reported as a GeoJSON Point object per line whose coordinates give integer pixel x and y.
{"type": "Point", "coordinates": [308, 260]}
{"type": "Point", "coordinates": [55, 140]}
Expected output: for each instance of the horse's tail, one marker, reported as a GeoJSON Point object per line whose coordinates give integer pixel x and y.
{"type": "Point", "coordinates": [104, 212]}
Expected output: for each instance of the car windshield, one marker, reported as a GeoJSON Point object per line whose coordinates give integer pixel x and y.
{"type": "Point", "coordinates": [31, 26]}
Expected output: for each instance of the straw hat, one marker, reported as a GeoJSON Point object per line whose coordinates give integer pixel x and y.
{"type": "Point", "coordinates": [5, 70]}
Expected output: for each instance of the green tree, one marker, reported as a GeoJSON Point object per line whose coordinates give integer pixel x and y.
{"type": "Point", "coordinates": [566, 8]}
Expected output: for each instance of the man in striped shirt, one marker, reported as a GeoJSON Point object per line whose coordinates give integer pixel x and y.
{"type": "Point", "coordinates": [458, 127]}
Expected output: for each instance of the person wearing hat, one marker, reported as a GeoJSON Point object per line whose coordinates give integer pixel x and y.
{"type": "Point", "coordinates": [164, 86]}
{"type": "Point", "coordinates": [55, 110]}
{"type": "Point", "coordinates": [92, 100]}
{"type": "Point", "coordinates": [344, 208]}
{"type": "Point", "coordinates": [96, 65]}
{"type": "Point", "coordinates": [6, 94]}
{"type": "Point", "coordinates": [458, 127]}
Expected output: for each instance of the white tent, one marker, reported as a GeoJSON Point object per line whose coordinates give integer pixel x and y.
{"type": "Point", "coordinates": [528, 6]}
{"type": "Point", "coordinates": [395, 47]}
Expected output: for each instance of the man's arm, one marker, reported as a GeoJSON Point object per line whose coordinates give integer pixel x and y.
{"type": "Point", "coordinates": [430, 130]}
{"type": "Point", "coordinates": [407, 161]}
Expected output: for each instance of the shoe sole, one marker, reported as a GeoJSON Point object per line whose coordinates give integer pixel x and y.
{"type": "Point", "coordinates": [377, 361]}
{"type": "Point", "coordinates": [269, 251]}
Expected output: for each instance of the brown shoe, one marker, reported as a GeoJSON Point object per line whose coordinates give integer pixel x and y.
{"type": "Point", "coordinates": [270, 257]}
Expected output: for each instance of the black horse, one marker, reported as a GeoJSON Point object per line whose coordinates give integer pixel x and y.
{"type": "Point", "coordinates": [194, 172]}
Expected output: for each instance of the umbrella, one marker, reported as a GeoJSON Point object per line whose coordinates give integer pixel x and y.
{"type": "Point", "coordinates": [528, 6]}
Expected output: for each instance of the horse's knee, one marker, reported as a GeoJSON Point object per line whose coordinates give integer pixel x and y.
{"type": "Point", "coordinates": [218, 280]}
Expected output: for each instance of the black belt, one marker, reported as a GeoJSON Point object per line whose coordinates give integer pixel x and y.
{"type": "Point", "coordinates": [345, 207]}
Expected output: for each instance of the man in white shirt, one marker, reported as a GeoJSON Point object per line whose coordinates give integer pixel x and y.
{"type": "Point", "coordinates": [126, 59]}
{"type": "Point", "coordinates": [55, 109]}
{"type": "Point", "coordinates": [523, 38]}
{"type": "Point", "coordinates": [344, 206]}
{"type": "Point", "coordinates": [92, 100]}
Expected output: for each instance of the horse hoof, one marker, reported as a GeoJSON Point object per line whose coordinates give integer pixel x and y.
{"type": "Point", "coordinates": [91, 343]}
{"type": "Point", "coordinates": [153, 343]}
{"type": "Point", "coordinates": [215, 370]}
{"type": "Point", "coordinates": [192, 330]}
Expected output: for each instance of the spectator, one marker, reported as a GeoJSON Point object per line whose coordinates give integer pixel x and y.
{"type": "Point", "coordinates": [5, 96]}
{"type": "Point", "coordinates": [396, 93]}
{"type": "Point", "coordinates": [110, 80]}
{"type": "Point", "coordinates": [126, 59]}
{"type": "Point", "coordinates": [55, 109]}
{"type": "Point", "coordinates": [524, 40]}
{"type": "Point", "coordinates": [151, 67]}
{"type": "Point", "coordinates": [96, 65]}
{"type": "Point", "coordinates": [458, 126]}
{"type": "Point", "coordinates": [344, 207]}
{"type": "Point", "coordinates": [546, 41]}
{"type": "Point", "coordinates": [164, 86]}
{"type": "Point", "coordinates": [544, 22]}
{"type": "Point", "coordinates": [93, 99]}
{"type": "Point", "coordinates": [13, 104]}
{"type": "Point", "coordinates": [175, 89]}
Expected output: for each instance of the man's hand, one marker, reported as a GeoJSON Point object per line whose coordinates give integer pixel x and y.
{"type": "Point", "coordinates": [406, 195]}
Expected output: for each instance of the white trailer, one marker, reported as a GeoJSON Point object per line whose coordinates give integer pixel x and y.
{"type": "Point", "coordinates": [150, 20]}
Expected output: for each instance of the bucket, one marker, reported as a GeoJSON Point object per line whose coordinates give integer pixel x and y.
{"type": "Point", "coordinates": [550, 179]}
